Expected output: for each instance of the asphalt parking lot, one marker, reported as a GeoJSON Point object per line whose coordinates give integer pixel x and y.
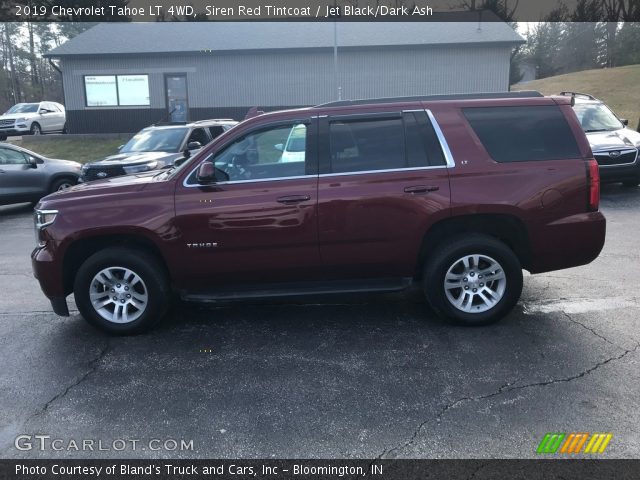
{"type": "Point", "coordinates": [348, 376]}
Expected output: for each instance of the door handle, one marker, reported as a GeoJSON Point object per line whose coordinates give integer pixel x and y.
{"type": "Point", "coordinates": [293, 199]}
{"type": "Point", "coordinates": [421, 189]}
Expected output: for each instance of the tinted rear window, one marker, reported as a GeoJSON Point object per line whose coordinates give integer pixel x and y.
{"type": "Point", "coordinates": [367, 145]}
{"type": "Point", "coordinates": [522, 134]}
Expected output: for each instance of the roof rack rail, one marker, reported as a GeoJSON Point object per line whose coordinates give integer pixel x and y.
{"type": "Point", "coordinates": [215, 120]}
{"type": "Point", "coordinates": [165, 124]}
{"type": "Point", "coordinates": [578, 94]}
{"type": "Point", "coordinates": [423, 98]}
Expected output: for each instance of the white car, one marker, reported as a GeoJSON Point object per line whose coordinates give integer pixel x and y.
{"type": "Point", "coordinates": [33, 119]}
{"type": "Point", "coordinates": [293, 150]}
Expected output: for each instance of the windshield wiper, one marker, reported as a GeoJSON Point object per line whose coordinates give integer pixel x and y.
{"type": "Point", "coordinates": [597, 130]}
{"type": "Point", "coordinates": [164, 170]}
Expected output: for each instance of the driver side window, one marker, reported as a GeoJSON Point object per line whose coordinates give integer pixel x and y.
{"type": "Point", "coordinates": [11, 157]}
{"type": "Point", "coordinates": [276, 152]}
{"type": "Point", "coordinates": [198, 135]}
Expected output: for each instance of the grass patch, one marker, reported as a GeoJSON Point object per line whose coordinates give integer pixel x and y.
{"type": "Point", "coordinates": [617, 87]}
{"type": "Point", "coordinates": [80, 150]}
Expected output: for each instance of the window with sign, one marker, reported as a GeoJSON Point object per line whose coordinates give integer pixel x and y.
{"type": "Point", "coordinates": [116, 90]}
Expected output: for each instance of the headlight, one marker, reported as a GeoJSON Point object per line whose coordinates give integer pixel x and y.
{"type": "Point", "coordinates": [143, 167]}
{"type": "Point", "coordinates": [41, 219]}
{"type": "Point", "coordinates": [21, 119]}
{"type": "Point", "coordinates": [45, 217]}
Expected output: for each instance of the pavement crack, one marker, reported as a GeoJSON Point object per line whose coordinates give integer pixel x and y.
{"type": "Point", "coordinates": [92, 367]}
{"type": "Point", "coordinates": [476, 470]}
{"type": "Point", "coordinates": [507, 387]}
{"type": "Point", "coordinates": [377, 459]}
{"type": "Point", "coordinates": [573, 320]}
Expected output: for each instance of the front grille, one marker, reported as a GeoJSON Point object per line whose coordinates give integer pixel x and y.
{"type": "Point", "coordinates": [95, 173]}
{"type": "Point", "coordinates": [616, 157]}
{"type": "Point", "coordinates": [7, 123]}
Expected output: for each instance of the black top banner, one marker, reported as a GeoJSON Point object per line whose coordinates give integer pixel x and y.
{"type": "Point", "coordinates": [320, 10]}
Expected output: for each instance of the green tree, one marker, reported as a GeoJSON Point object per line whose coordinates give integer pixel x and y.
{"type": "Point", "coordinates": [627, 48]}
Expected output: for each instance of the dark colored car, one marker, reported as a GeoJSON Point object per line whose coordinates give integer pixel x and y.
{"type": "Point", "coordinates": [26, 176]}
{"type": "Point", "coordinates": [156, 147]}
{"type": "Point", "coordinates": [458, 194]}
{"type": "Point", "coordinates": [614, 145]}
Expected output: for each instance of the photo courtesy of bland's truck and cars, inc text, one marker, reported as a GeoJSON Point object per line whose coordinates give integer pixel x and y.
{"type": "Point", "coordinates": [319, 239]}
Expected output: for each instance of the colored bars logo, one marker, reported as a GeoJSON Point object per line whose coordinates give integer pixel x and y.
{"type": "Point", "coordinates": [574, 442]}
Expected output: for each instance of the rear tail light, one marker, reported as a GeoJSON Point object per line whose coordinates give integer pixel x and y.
{"type": "Point", "coordinates": [593, 181]}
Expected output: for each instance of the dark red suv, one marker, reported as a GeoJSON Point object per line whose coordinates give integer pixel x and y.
{"type": "Point", "coordinates": [459, 193]}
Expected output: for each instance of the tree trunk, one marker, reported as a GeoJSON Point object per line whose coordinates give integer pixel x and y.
{"type": "Point", "coordinates": [32, 57]}
{"type": "Point", "coordinates": [612, 28]}
{"type": "Point", "coordinates": [15, 86]}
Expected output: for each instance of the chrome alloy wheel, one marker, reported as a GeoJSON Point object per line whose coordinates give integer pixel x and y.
{"type": "Point", "coordinates": [64, 186]}
{"type": "Point", "coordinates": [118, 295]}
{"type": "Point", "coordinates": [475, 283]}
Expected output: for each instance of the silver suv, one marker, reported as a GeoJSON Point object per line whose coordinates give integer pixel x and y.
{"type": "Point", "coordinates": [26, 176]}
{"type": "Point", "coordinates": [33, 119]}
{"type": "Point", "coordinates": [156, 147]}
{"type": "Point", "coordinates": [614, 145]}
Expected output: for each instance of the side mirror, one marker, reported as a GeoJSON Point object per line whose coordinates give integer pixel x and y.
{"type": "Point", "coordinates": [624, 121]}
{"type": "Point", "coordinates": [120, 147]}
{"type": "Point", "coordinates": [42, 111]}
{"type": "Point", "coordinates": [179, 161]}
{"type": "Point", "coordinates": [194, 145]}
{"type": "Point", "coordinates": [206, 173]}
{"type": "Point", "coordinates": [32, 162]}
{"type": "Point", "coordinates": [279, 147]}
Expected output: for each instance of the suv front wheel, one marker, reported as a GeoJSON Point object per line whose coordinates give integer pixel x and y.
{"type": "Point", "coordinates": [473, 280]}
{"type": "Point", "coordinates": [122, 291]}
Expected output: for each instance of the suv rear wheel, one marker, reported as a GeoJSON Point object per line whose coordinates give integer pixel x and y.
{"type": "Point", "coordinates": [62, 184]}
{"type": "Point", "coordinates": [473, 280]}
{"type": "Point", "coordinates": [122, 291]}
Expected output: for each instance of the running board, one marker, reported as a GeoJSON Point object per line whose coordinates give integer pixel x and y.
{"type": "Point", "coordinates": [298, 289]}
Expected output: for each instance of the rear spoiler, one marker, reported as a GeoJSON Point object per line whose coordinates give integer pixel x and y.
{"type": "Point", "coordinates": [563, 100]}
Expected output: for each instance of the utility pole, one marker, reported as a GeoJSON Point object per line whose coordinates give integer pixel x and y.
{"type": "Point", "coordinates": [335, 56]}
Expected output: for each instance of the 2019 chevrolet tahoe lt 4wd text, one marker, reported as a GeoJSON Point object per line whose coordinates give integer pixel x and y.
{"type": "Point", "coordinates": [459, 193]}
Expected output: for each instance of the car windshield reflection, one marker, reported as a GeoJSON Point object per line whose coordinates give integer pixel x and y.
{"type": "Point", "coordinates": [157, 140]}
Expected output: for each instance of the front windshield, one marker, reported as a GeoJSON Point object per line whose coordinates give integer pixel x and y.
{"type": "Point", "coordinates": [155, 140]}
{"type": "Point", "coordinates": [596, 117]}
{"type": "Point", "coordinates": [24, 108]}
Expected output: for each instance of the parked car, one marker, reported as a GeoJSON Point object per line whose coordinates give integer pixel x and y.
{"type": "Point", "coordinates": [615, 146]}
{"type": "Point", "coordinates": [33, 119]}
{"type": "Point", "coordinates": [26, 176]}
{"type": "Point", "coordinates": [294, 149]}
{"type": "Point", "coordinates": [156, 147]}
{"type": "Point", "coordinates": [457, 194]}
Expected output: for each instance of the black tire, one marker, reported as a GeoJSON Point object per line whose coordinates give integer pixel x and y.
{"type": "Point", "coordinates": [35, 129]}
{"type": "Point", "coordinates": [631, 183]}
{"type": "Point", "coordinates": [3, 137]}
{"type": "Point", "coordinates": [64, 129]}
{"type": "Point", "coordinates": [62, 183]}
{"type": "Point", "coordinates": [145, 266]}
{"type": "Point", "coordinates": [447, 255]}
